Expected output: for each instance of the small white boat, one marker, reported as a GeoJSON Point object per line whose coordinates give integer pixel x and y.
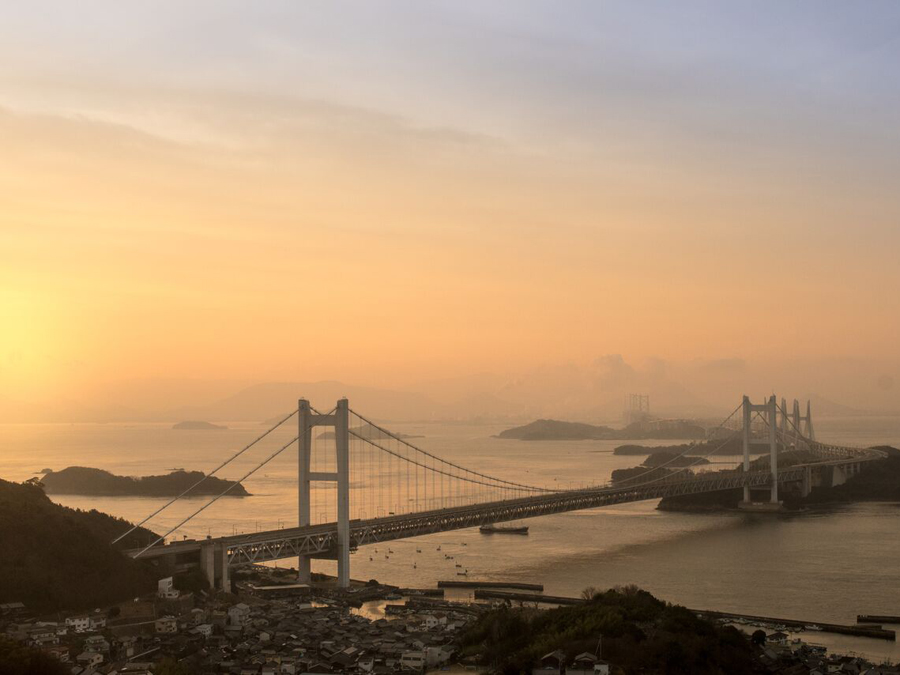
{"type": "Point", "coordinates": [813, 626]}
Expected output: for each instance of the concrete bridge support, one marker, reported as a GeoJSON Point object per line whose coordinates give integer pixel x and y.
{"type": "Point", "coordinates": [806, 484]}
{"type": "Point", "coordinates": [214, 565]}
{"type": "Point", "coordinates": [208, 562]}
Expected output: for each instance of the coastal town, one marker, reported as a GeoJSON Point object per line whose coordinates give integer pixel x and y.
{"type": "Point", "coordinates": [272, 626]}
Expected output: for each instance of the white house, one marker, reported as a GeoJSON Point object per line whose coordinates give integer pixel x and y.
{"type": "Point", "coordinates": [204, 629]}
{"type": "Point", "coordinates": [97, 621]}
{"type": "Point", "coordinates": [89, 659]}
{"type": "Point", "coordinates": [413, 661]}
{"type": "Point", "coordinates": [42, 636]}
{"type": "Point", "coordinates": [96, 643]}
{"type": "Point", "coordinates": [432, 621]}
{"type": "Point", "coordinates": [167, 624]}
{"type": "Point", "coordinates": [437, 656]}
{"type": "Point", "coordinates": [238, 614]}
{"type": "Point", "coordinates": [79, 624]}
{"type": "Point", "coordinates": [166, 589]}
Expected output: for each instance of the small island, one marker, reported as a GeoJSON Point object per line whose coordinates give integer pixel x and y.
{"type": "Point", "coordinates": [557, 430]}
{"type": "Point", "coordinates": [369, 432]}
{"type": "Point", "coordinates": [79, 480]}
{"type": "Point", "coordinates": [196, 425]}
{"type": "Point", "coordinates": [733, 446]}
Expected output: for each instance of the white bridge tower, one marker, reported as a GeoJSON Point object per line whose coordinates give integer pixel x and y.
{"type": "Point", "coordinates": [769, 410]}
{"type": "Point", "coordinates": [339, 420]}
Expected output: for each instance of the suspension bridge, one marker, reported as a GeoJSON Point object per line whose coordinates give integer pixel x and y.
{"type": "Point", "coordinates": [364, 484]}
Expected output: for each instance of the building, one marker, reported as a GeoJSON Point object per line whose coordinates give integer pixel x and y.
{"type": "Point", "coordinates": [43, 636]}
{"type": "Point", "coordinates": [79, 624]}
{"type": "Point", "coordinates": [238, 614]}
{"type": "Point", "coordinates": [550, 664]}
{"type": "Point", "coordinates": [166, 589]}
{"type": "Point", "coordinates": [413, 661]}
{"type": "Point", "coordinates": [96, 644]}
{"type": "Point", "coordinates": [588, 664]}
{"type": "Point", "coordinates": [167, 624]}
{"type": "Point", "coordinates": [89, 659]}
{"type": "Point", "coordinates": [204, 629]}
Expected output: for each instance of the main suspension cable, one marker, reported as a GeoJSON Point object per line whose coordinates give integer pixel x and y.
{"type": "Point", "coordinates": [208, 475]}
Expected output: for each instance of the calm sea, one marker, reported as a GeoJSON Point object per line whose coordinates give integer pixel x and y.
{"type": "Point", "coordinates": [822, 566]}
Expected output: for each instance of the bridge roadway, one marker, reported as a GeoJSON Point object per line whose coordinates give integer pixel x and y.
{"type": "Point", "coordinates": [320, 541]}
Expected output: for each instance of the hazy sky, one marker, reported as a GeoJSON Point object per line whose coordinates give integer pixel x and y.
{"type": "Point", "coordinates": [388, 192]}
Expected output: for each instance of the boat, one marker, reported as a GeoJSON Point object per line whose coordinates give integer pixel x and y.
{"type": "Point", "coordinates": [813, 626]}
{"type": "Point", "coordinates": [500, 529]}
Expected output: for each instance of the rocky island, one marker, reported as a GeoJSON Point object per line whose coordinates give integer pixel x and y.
{"type": "Point", "coordinates": [557, 430]}
{"type": "Point", "coordinates": [732, 446]}
{"type": "Point", "coordinates": [79, 480]}
{"type": "Point", "coordinates": [198, 426]}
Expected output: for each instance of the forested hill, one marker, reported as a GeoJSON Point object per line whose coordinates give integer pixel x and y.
{"type": "Point", "coordinates": [80, 480]}
{"type": "Point", "coordinates": [57, 558]}
{"type": "Point", "coordinates": [638, 633]}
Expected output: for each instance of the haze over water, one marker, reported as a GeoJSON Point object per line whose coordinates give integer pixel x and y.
{"type": "Point", "coordinates": [826, 565]}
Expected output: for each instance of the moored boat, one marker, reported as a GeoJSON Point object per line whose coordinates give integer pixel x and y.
{"type": "Point", "coordinates": [500, 529]}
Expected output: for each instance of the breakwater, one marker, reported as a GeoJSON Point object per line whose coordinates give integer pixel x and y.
{"type": "Point", "coordinates": [490, 584]}
{"type": "Point", "coordinates": [860, 631]}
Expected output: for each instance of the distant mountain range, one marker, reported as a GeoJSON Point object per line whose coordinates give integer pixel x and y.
{"type": "Point", "coordinates": [543, 394]}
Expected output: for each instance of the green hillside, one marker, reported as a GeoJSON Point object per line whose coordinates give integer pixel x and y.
{"type": "Point", "coordinates": [58, 558]}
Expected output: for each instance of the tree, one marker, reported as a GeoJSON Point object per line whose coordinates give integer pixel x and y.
{"type": "Point", "coordinates": [16, 659]}
{"type": "Point", "coordinates": [172, 667]}
{"type": "Point", "coordinates": [758, 638]}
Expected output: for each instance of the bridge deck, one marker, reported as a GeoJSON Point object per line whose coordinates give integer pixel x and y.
{"type": "Point", "coordinates": [321, 540]}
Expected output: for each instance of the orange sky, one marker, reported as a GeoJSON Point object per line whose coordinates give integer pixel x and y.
{"type": "Point", "coordinates": [294, 209]}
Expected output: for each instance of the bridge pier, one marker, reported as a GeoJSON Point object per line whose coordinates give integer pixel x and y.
{"type": "Point", "coordinates": [208, 562]}
{"type": "Point", "coordinates": [806, 484]}
{"type": "Point", "coordinates": [224, 570]}
{"type": "Point", "coordinates": [214, 565]}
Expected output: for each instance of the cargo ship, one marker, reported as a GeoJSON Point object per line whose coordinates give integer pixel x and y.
{"type": "Point", "coordinates": [500, 529]}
